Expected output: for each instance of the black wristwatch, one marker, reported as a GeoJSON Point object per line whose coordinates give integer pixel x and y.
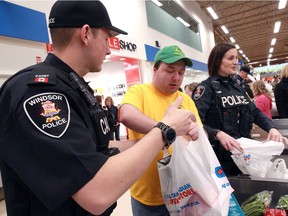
{"type": "Point", "coordinates": [168, 133]}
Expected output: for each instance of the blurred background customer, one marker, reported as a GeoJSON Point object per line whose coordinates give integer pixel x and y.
{"type": "Point", "coordinates": [113, 110]}
{"type": "Point", "coordinates": [281, 94]}
{"type": "Point", "coordinates": [263, 100]}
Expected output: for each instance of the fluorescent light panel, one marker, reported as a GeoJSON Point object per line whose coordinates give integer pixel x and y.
{"type": "Point", "coordinates": [232, 39]}
{"type": "Point", "coordinates": [273, 41]}
{"type": "Point", "coordinates": [183, 21]}
{"type": "Point", "coordinates": [237, 46]}
{"type": "Point", "coordinates": [270, 55]}
{"type": "Point", "coordinates": [277, 26]}
{"type": "Point", "coordinates": [224, 29]}
{"type": "Point", "coordinates": [212, 12]}
{"type": "Point", "coordinates": [159, 4]}
{"type": "Point", "coordinates": [240, 51]}
{"type": "Point", "coordinates": [271, 50]}
{"type": "Point", "coordinates": [282, 4]}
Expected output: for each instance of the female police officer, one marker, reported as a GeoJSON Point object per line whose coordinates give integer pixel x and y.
{"type": "Point", "coordinates": [225, 110]}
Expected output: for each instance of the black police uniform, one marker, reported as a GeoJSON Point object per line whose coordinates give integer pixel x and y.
{"type": "Point", "coordinates": [53, 140]}
{"type": "Point", "coordinates": [223, 105]}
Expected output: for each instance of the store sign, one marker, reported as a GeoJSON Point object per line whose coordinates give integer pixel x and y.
{"type": "Point", "coordinates": [115, 43]}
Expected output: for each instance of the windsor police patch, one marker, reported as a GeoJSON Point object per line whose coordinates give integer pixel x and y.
{"type": "Point", "coordinates": [199, 91]}
{"type": "Point", "coordinates": [49, 113]}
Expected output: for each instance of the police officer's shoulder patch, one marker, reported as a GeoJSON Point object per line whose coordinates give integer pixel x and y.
{"type": "Point", "coordinates": [199, 91]}
{"type": "Point", "coordinates": [49, 112]}
{"type": "Point", "coordinates": [40, 76]}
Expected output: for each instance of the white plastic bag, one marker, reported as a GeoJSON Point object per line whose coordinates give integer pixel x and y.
{"type": "Point", "coordinates": [277, 170]}
{"type": "Point", "coordinates": [256, 159]}
{"type": "Point", "coordinates": [193, 182]}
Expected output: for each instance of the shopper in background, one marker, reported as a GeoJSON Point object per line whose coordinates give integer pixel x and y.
{"type": "Point", "coordinates": [243, 80]}
{"type": "Point", "coordinates": [142, 107]}
{"type": "Point", "coordinates": [189, 88]}
{"type": "Point", "coordinates": [54, 153]}
{"type": "Point", "coordinates": [225, 109]}
{"type": "Point", "coordinates": [281, 94]}
{"type": "Point", "coordinates": [262, 99]}
{"type": "Point", "coordinates": [275, 82]}
{"type": "Point", "coordinates": [113, 110]}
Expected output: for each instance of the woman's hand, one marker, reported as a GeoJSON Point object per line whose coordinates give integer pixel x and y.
{"type": "Point", "coordinates": [275, 135]}
{"type": "Point", "coordinates": [228, 142]}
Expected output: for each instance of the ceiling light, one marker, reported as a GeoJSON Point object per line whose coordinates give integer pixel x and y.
{"type": "Point", "coordinates": [183, 21]}
{"type": "Point", "coordinates": [273, 41]}
{"type": "Point", "coordinates": [224, 29]}
{"type": "Point", "coordinates": [122, 59]}
{"type": "Point", "coordinates": [212, 12]}
{"type": "Point", "coordinates": [277, 26]}
{"type": "Point", "coordinates": [271, 50]}
{"type": "Point", "coordinates": [237, 46]}
{"type": "Point", "coordinates": [244, 55]}
{"type": "Point", "coordinates": [159, 4]}
{"type": "Point", "coordinates": [275, 59]}
{"type": "Point", "coordinates": [232, 39]}
{"type": "Point", "coordinates": [282, 4]}
{"type": "Point", "coordinates": [270, 55]}
{"type": "Point", "coordinates": [240, 51]}
{"type": "Point", "coordinates": [253, 62]}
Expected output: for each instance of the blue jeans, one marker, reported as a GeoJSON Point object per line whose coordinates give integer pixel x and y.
{"type": "Point", "coordinates": [140, 209]}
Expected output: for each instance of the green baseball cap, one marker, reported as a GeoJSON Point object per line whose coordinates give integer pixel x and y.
{"type": "Point", "coordinates": [171, 54]}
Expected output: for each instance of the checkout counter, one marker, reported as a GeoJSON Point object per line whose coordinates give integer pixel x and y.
{"type": "Point", "coordinates": [245, 187]}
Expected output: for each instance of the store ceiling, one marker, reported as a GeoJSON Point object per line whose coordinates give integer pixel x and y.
{"type": "Point", "coordinates": [251, 24]}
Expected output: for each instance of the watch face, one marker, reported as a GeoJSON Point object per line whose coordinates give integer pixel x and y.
{"type": "Point", "coordinates": [170, 135]}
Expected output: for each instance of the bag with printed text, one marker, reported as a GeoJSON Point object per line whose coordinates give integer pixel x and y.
{"type": "Point", "coordinates": [192, 180]}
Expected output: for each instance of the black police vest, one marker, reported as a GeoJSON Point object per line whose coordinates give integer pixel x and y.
{"type": "Point", "coordinates": [233, 109]}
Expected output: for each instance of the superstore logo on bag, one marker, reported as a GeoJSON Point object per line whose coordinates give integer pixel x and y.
{"type": "Point", "coordinates": [183, 192]}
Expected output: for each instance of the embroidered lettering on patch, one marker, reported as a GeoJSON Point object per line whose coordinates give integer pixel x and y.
{"type": "Point", "coordinates": [199, 92]}
{"type": "Point", "coordinates": [49, 113]}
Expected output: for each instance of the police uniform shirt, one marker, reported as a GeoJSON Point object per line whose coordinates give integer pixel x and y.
{"type": "Point", "coordinates": [223, 105]}
{"type": "Point", "coordinates": [48, 149]}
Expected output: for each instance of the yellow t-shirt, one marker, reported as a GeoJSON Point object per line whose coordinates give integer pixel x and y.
{"type": "Point", "coordinates": [148, 100]}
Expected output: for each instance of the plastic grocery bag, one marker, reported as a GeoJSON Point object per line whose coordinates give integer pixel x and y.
{"type": "Point", "coordinates": [278, 170]}
{"type": "Point", "coordinates": [256, 159]}
{"type": "Point", "coordinates": [192, 181]}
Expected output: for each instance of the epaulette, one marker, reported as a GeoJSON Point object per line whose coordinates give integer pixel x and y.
{"type": "Point", "coordinates": [41, 76]}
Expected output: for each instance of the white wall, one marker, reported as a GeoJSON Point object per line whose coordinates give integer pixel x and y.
{"type": "Point", "coordinates": [128, 15]}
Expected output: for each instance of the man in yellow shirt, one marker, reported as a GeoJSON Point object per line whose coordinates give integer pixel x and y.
{"type": "Point", "coordinates": [143, 106]}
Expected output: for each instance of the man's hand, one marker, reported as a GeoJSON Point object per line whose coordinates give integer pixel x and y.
{"type": "Point", "coordinates": [182, 121]}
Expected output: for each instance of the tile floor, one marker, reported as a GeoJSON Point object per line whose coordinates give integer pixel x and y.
{"type": "Point", "coordinates": [123, 207]}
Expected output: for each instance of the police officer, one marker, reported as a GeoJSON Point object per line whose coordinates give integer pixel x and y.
{"type": "Point", "coordinates": [242, 80]}
{"type": "Point", "coordinates": [54, 151]}
{"type": "Point", "coordinates": [225, 110]}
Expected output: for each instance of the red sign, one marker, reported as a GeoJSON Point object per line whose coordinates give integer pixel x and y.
{"type": "Point", "coordinates": [49, 47]}
{"type": "Point", "coordinates": [113, 43]}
